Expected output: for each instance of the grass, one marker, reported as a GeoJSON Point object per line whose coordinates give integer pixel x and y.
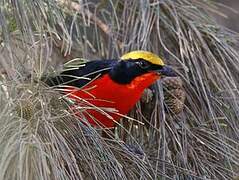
{"type": "Point", "coordinates": [40, 139]}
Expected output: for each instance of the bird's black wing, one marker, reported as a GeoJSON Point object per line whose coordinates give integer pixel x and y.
{"type": "Point", "coordinates": [81, 75]}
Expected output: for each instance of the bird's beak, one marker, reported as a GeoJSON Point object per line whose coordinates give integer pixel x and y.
{"type": "Point", "coordinates": [166, 71]}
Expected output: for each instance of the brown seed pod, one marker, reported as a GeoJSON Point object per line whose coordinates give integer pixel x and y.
{"type": "Point", "coordinates": [174, 94]}
{"type": "Point", "coordinates": [174, 100]}
{"type": "Point", "coordinates": [25, 110]}
{"type": "Point", "coordinates": [172, 83]}
{"type": "Point", "coordinates": [147, 96]}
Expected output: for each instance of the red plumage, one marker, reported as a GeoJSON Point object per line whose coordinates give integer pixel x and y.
{"type": "Point", "coordinates": [104, 93]}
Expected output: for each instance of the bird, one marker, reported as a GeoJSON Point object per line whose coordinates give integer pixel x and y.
{"type": "Point", "coordinates": [101, 86]}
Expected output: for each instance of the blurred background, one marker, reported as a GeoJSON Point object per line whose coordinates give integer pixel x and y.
{"type": "Point", "coordinates": [231, 17]}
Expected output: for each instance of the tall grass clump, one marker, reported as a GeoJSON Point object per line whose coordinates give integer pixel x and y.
{"type": "Point", "coordinates": [40, 137]}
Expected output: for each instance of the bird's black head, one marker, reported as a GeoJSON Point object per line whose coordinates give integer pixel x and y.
{"type": "Point", "coordinates": [125, 71]}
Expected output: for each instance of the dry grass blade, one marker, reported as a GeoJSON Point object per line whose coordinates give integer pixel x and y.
{"type": "Point", "coordinates": [40, 138]}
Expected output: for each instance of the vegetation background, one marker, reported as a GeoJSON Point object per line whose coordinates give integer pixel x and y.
{"type": "Point", "coordinates": [40, 138]}
{"type": "Point", "coordinates": [231, 16]}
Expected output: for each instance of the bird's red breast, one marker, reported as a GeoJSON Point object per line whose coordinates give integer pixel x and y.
{"type": "Point", "coordinates": [105, 94]}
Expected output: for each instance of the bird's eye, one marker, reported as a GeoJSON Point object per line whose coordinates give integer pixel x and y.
{"type": "Point", "coordinates": [143, 64]}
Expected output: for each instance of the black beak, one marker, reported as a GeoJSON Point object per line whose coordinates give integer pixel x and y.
{"type": "Point", "coordinates": [167, 71]}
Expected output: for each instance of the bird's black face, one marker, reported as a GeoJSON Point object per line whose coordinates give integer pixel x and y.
{"type": "Point", "coordinates": [125, 71]}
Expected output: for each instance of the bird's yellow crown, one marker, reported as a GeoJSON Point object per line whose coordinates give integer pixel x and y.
{"type": "Point", "coordinates": [146, 55]}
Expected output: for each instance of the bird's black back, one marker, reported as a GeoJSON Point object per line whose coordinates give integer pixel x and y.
{"type": "Point", "coordinates": [81, 75]}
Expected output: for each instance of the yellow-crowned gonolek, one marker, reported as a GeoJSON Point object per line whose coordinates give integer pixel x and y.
{"type": "Point", "coordinates": [116, 84]}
